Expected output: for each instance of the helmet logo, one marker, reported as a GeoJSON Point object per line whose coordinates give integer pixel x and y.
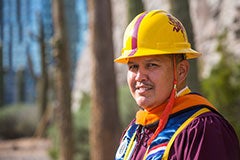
{"type": "Point", "coordinates": [177, 26]}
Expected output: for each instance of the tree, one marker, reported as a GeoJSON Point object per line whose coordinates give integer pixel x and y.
{"type": "Point", "coordinates": [1, 55]}
{"type": "Point", "coordinates": [1, 76]}
{"type": "Point", "coordinates": [43, 90]}
{"type": "Point", "coordinates": [42, 80]}
{"type": "Point", "coordinates": [222, 87]}
{"type": "Point", "coordinates": [20, 83]}
{"type": "Point", "coordinates": [134, 8]}
{"type": "Point", "coordinates": [62, 81]}
{"type": "Point", "coordinates": [180, 9]}
{"type": "Point", "coordinates": [105, 126]}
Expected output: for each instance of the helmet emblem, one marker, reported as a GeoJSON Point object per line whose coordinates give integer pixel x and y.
{"type": "Point", "coordinates": [177, 26]}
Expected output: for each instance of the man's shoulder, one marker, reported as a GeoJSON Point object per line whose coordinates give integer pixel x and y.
{"type": "Point", "coordinates": [207, 133]}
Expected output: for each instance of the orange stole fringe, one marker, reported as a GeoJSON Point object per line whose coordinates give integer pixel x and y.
{"type": "Point", "coordinates": [147, 117]}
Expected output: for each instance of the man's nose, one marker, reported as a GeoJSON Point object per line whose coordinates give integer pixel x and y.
{"type": "Point", "coordinates": [141, 75]}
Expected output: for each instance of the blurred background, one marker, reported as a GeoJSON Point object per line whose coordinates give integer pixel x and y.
{"type": "Point", "coordinates": [61, 95]}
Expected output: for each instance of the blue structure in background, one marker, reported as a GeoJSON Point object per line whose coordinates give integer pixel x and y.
{"type": "Point", "coordinates": [19, 31]}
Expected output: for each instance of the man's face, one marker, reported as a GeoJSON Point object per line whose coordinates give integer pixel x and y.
{"type": "Point", "coordinates": [150, 80]}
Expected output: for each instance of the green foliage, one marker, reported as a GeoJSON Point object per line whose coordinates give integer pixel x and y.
{"type": "Point", "coordinates": [81, 120]}
{"type": "Point", "coordinates": [223, 87]}
{"type": "Point", "coordinates": [127, 105]}
{"type": "Point", "coordinates": [18, 120]}
{"type": "Point", "coordinates": [53, 134]}
{"type": "Point", "coordinates": [81, 134]}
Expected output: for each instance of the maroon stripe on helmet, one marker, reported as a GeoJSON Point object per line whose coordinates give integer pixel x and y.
{"type": "Point", "coordinates": [135, 34]}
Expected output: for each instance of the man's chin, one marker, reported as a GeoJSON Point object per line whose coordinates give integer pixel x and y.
{"type": "Point", "coordinates": [143, 103]}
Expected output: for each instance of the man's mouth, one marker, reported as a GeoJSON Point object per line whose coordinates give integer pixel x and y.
{"type": "Point", "coordinates": [143, 88]}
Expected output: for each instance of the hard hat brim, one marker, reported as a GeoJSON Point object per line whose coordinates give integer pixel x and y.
{"type": "Point", "coordinates": [127, 54]}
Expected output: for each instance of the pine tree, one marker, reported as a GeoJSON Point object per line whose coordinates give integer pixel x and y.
{"type": "Point", "coordinates": [181, 10]}
{"type": "Point", "coordinates": [105, 125]}
{"type": "Point", "coordinates": [62, 81]}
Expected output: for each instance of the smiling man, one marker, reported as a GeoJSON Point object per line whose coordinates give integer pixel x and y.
{"type": "Point", "coordinates": [148, 79]}
{"type": "Point", "coordinates": [172, 122]}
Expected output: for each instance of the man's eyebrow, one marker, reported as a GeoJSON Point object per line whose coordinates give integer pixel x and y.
{"type": "Point", "coordinates": [129, 62]}
{"type": "Point", "coordinates": [146, 60]}
{"type": "Point", "coordinates": [153, 60]}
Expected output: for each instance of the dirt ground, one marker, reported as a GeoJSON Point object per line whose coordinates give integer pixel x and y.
{"type": "Point", "coordinates": [25, 149]}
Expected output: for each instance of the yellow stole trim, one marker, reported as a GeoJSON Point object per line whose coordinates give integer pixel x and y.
{"type": "Point", "coordinates": [131, 144]}
{"type": "Point", "coordinates": [187, 122]}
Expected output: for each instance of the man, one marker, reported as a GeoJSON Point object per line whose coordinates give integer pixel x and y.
{"type": "Point", "coordinates": [172, 123]}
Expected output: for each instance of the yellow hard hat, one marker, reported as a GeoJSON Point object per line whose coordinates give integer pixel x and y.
{"type": "Point", "coordinates": [155, 33]}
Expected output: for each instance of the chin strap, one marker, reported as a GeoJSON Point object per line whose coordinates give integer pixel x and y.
{"type": "Point", "coordinates": [167, 111]}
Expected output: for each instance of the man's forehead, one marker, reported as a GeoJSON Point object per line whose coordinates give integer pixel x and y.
{"type": "Point", "coordinates": [149, 58]}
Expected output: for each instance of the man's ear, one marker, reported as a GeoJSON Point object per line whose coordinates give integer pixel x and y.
{"type": "Point", "coordinates": [182, 71]}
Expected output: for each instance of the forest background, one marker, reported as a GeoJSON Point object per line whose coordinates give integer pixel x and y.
{"type": "Point", "coordinates": [68, 104]}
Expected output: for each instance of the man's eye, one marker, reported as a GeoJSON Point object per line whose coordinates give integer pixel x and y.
{"type": "Point", "coordinates": [131, 67]}
{"type": "Point", "coordinates": [151, 65]}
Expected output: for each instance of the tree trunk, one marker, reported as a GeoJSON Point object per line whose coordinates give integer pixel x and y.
{"type": "Point", "coordinates": [62, 81]}
{"type": "Point", "coordinates": [20, 84]}
{"type": "Point", "coordinates": [105, 125]}
{"type": "Point", "coordinates": [1, 77]}
{"type": "Point", "coordinates": [180, 9]}
{"type": "Point", "coordinates": [43, 89]}
{"type": "Point", "coordinates": [134, 8]}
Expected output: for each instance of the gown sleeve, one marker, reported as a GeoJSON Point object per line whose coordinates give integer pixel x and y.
{"type": "Point", "coordinates": [207, 137]}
